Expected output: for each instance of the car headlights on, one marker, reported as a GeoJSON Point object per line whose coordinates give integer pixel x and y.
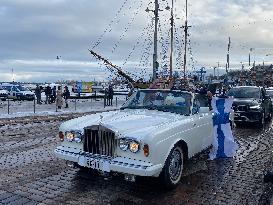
{"type": "Point", "coordinates": [69, 136]}
{"type": "Point", "coordinates": [255, 107]}
{"type": "Point", "coordinates": [73, 136]}
{"type": "Point", "coordinates": [134, 146]}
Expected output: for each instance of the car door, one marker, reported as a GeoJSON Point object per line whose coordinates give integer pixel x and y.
{"type": "Point", "coordinates": [202, 125]}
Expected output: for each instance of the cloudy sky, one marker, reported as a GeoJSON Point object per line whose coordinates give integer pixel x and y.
{"type": "Point", "coordinates": [34, 32]}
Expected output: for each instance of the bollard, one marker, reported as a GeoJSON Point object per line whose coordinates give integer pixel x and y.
{"type": "Point", "coordinates": [116, 101]}
{"type": "Point", "coordinates": [75, 104]}
{"type": "Point", "coordinates": [8, 105]}
{"type": "Point", "coordinates": [34, 104]}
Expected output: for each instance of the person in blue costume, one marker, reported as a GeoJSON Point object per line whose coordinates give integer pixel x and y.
{"type": "Point", "coordinates": [223, 141]}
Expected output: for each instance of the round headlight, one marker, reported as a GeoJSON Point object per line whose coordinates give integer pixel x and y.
{"type": "Point", "coordinates": [123, 144]}
{"type": "Point", "coordinates": [134, 146]}
{"type": "Point", "coordinates": [77, 137]}
{"type": "Point", "coordinates": [69, 136]}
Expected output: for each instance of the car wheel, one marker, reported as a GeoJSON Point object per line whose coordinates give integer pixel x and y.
{"type": "Point", "coordinates": [172, 170]}
{"type": "Point", "coordinates": [262, 120]}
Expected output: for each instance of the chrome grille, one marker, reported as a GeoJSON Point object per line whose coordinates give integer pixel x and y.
{"type": "Point", "coordinates": [243, 108]}
{"type": "Point", "coordinates": [99, 140]}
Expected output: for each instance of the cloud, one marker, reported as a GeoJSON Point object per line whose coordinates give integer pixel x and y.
{"type": "Point", "coordinates": [35, 32]}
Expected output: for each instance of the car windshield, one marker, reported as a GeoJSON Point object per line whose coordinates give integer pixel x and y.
{"type": "Point", "coordinates": [162, 100]}
{"type": "Point", "coordinates": [244, 92]}
{"type": "Point", "coordinates": [8, 88]}
{"type": "Point", "coordinates": [21, 88]}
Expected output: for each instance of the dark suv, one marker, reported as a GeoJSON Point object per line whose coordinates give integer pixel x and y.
{"type": "Point", "coordinates": [251, 104]}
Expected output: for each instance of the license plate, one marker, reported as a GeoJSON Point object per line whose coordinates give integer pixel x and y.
{"type": "Point", "coordinates": [98, 164]}
{"type": "Point", "coordinates": [93, 163]}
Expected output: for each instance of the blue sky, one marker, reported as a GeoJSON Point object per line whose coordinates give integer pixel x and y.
{"type": "Point", "coordinates": [34, 32]}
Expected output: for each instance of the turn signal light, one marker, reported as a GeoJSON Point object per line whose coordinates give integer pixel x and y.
{"type": "Point", "coordinates": [146, 150]}
{"type": "Point", "coordinates": [61, 136]}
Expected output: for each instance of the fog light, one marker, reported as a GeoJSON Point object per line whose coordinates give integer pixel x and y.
{"type": "Point", "coordinates": [146, 150]}
{"type": "Point", "coordinates": [130, 177]}
{"type": "Point", "coordinates": [70, 164]}
{"type": "Point", "coordinates": [61, 136]}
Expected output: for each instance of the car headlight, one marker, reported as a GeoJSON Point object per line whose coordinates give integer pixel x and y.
{"type": "Point", "coordinates": [255, 107]}
{"type": "Point", "coordinates": [69, 136]}
{"type": "Point", "coordinates": [123, 144]}
{"type": "Point", "coordinates": [131, 144]}
{"type": "Point", "coordinates": [134, 146]}
{"type": "Point", "coordinates": [73, 136]}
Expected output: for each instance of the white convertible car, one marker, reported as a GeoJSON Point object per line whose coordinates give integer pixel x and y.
{"type": "Point", "coordinates": [151, 135]}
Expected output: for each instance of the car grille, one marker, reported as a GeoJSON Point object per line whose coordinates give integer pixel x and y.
{"type": "Point", "coordinates": [99, 140]}
{"type": "Point", "coordinates": [242, 108]}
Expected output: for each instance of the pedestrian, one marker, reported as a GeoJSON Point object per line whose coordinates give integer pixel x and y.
{"type": "Point", "coordinates": [66, 96]}
{"type": "Point", "coordinates": [48, 94]}
{"type": "Point", "coordinates": [59, 98]}
{"type": "Point", "coordinates": [38, 94]}
{"type": "Point", "coordinates": [106, 98]}
{"type": "Point", "coordinates": [209, 96]}
{"type": "Point", "coordinates": [53, 94]}
{"type": "Point", "coordinates": [110, 95]}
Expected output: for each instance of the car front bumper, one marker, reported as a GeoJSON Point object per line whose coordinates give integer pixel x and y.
{"type": "Point", "coordinates": [250, 116]}
{"type": "Point", "coordinates": [108, 164]}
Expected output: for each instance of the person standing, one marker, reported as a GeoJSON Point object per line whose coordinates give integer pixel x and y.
{"type": "Point", "coordinates": [66, 96]}
{"type": "Point", "coordinates": [53, 94]}
{"type": "Point", "coordinates": [38, 94]}
{"type": "Point", "coordinates": [106, 96]}
{"type": "Point", "coordinates": [59, 98]}
{"type": "Point", "coordinates": [110, 95]}
{"type": "Point", "coordinates": [47, 93]}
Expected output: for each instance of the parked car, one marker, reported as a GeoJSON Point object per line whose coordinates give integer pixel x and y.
{"type": "Point", "coordinates": [153, 134]}
{"type": "Point", "coordinates": [18, 92]}
{"type": "Point", "coordinates": [251, 104]}
{"type": "Point", "coordinates": [3, 94]}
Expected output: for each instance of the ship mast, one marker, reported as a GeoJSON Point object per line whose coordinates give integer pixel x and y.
{"type": "Point", "coordinates": [186, 40]}
{"type": "Point", "coordinates": [155, 63]}
{"type": "Point", "coordinates": [172, 32]}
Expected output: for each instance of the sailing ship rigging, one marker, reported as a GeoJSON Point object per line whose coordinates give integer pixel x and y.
{"type": "Point", "coordinates": [167, 81]}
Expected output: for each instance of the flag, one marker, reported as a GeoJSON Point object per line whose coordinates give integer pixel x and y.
{"type": "Point", "coordinates": [223, 141]}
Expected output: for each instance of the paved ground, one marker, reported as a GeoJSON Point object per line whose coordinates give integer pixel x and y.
{"type": "Point", "coordinates": [30, 174]}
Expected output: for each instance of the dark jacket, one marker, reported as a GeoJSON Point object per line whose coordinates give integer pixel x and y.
{"type": "Point", "coordinates": [66, 93]}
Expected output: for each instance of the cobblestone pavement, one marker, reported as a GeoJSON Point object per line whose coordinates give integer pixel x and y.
{"type": "Point", "coordinates": [30, 173]}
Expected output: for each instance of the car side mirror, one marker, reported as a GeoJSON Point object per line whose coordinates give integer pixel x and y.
{"type": "Point", "coordinates": [204, 110]}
